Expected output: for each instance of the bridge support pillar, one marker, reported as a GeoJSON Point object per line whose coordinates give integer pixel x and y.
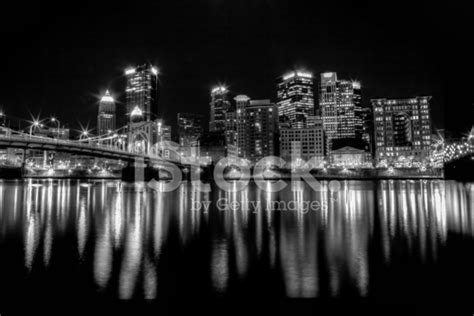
{"type": "Point", "coordinates": [137, 171]}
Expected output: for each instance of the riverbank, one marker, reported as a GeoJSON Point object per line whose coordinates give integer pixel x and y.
{"type": "Point", "coordinates": [207, 174]}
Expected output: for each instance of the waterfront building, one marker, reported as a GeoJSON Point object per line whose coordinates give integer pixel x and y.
{"type": "Point", "coordinates": [295, 97]}
{"type": "Point", "coordinates": [350, 157]}
{"type": "Point", "coordinates": [106, 119]}
{"type": "Point", "coordinates": [402, 128]}
{"type": "Point", "coordinates": [302, 143]}
{"type": "Point", "coordinates": [142, 93]}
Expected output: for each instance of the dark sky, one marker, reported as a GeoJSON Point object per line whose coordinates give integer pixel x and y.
{"type": "Point", "coordinates": [59, 59]}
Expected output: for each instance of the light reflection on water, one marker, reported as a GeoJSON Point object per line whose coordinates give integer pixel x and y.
{"type": "Point", "coordinates": [131, 241]}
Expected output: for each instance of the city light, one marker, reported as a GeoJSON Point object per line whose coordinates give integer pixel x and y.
{"type": "Point", "coordinates": [130, 71]}
{"type": "Point", "coordinates": [136, 112]}
{"type": "Point", "coordinates": [304, 74]}
{"type": "Point", "coordinates": [221, 89]}
{"type": "Point", "coordinates": [154, 71]}
{"type": "Point", "coordinates": [288, 76]}
{"type": "Point", "coordinates": [107, 97]}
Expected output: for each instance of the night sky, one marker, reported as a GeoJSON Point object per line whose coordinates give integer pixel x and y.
{"type": "Point", "coordinates": [59, 60]}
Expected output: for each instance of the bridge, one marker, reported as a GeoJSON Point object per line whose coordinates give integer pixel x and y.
{"type": "Point", "coordinates": [459, 158]}
{"type": "Point", "coordinates": [93, 149]}
{"type": "Point", "coordinates": [109, 147]}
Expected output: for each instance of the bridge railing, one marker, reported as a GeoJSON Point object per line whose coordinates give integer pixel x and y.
{"type": "Point", "coordinates": [75, 144]}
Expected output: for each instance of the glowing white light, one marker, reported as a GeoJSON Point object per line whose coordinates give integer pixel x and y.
{"type": "Point", "coordinates": [356, 84]}
{"type": "Point", "coordinates": [221, 89]}
{"type": "Point", "coordinates": [241, 98]}
{"type": "Point", "coordinates": [289, 76]}
{"type": "Point", "coordinates": [137, 112]}
{"type": "Point", "coordinates": [304, 74]}
{"type": "Point", "coordinates": [328, 74]}
{"type": "Point", "coordinates": [154, 71]}
{"type": "Point", "coordinates": [107, 97]}
{"type": "Point", "coordinates": [130, 71]}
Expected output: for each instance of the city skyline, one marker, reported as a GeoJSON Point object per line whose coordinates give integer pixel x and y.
{"type": "Point", "coordinates": [282, 155]}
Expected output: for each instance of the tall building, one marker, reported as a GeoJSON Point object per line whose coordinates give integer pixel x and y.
{"type": "Point", "coordinates": [106, 119]}
{"type": "Point", "coordinates": [295, 97]}
{"type": "Point", "coordinates": [341, 109]}
{"type": "Point", "coordinates": [189, 128]}
{"type": "Point", "coordinates": [257, 128]}
{"type": "Point", "coordinates": [402, 128]}
{"type": "Point", "coordinates": [231, 134]}
{"type": "Point", "coordinates": [303, 143]}
{"type": "Point", "coordinates": [219, 106]}
{"type": "Point", "coordinates": [142, 93]}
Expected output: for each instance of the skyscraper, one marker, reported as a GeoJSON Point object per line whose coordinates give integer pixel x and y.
{"type": "Point", "coordinates": [257, 127]}
{"type": "Point", "coordinates": [402, 128]}
{"type": "Point", "coordinates": [295, 97]}
{"type": "Point", "coordinates": [341, 110]}
{"type": "Point", "coordinates": [219, 106]}
{"type": "Point", "coordinates": [189, 128]}
{"type": "Point", "coordinates": [231, 134]}
{"type": "Point", "coordinates": [106, 118]}
{"type": "Point", "coordinates": [142, 93]}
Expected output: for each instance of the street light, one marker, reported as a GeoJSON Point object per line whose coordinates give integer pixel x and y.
{"type": "Point", "coordinates": [84, 135]}
{"type": "Point", "coordinates": [55, 120]}
{"type": "Point", "coordinates": [34, 125]}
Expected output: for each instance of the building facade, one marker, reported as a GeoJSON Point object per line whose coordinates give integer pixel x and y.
{"type": "Point", "coordinates": [341, 109]}
{"type": "Point", "coordinates": [142, 93]}
{"type": "Point", "coordinates": [106, 119]}
{"type": "Point", "coordinates": [350, 157]}
{"type": "Point", "coordinates": [302, 143]}
{"type": "Point", "coordinates": [257, 128]}
{"type": "Point", "coordinates": [231, 134]}
{"type": "Point", "coordinates": [219, 106]}
{"type": "Point", "coordinates": [402, 128]}
{"type": "Point", "coordinates": [295, 97]}
{"type": "Point", "coordinates": [189, 128]}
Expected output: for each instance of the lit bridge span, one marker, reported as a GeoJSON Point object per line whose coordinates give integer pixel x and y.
{"type": "Point", "coordinates": [93, 149]}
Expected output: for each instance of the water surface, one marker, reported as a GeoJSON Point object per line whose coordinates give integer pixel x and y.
{"type": "Point", "coordinates": [386, 241]}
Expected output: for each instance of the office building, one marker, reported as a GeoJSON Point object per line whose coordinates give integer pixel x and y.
{"type": "Point", "coordinates": [142, 93]}
{"type": "Point", "coordinates": [231, 134]}
{"type": "Point", "coordinates": [106, 119]}
{"type": "Point", "coordinates": [257, 128]}
{"type": "Point", "coordinates": [295, 97]}
{"type": "Point", "coordinates": [219, 106]}
{"type": "Point", "coordinates": [341, 110]}
{"type": "Point", "coordinates": [303, 143]}
{"type": "Point", "coordinates": [402, 128]}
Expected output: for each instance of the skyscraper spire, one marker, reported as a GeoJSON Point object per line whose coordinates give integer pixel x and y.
{"type": "Point", "coordinates": [106, 119]}
{"type": "Point", "coordinates": [107, 97]}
